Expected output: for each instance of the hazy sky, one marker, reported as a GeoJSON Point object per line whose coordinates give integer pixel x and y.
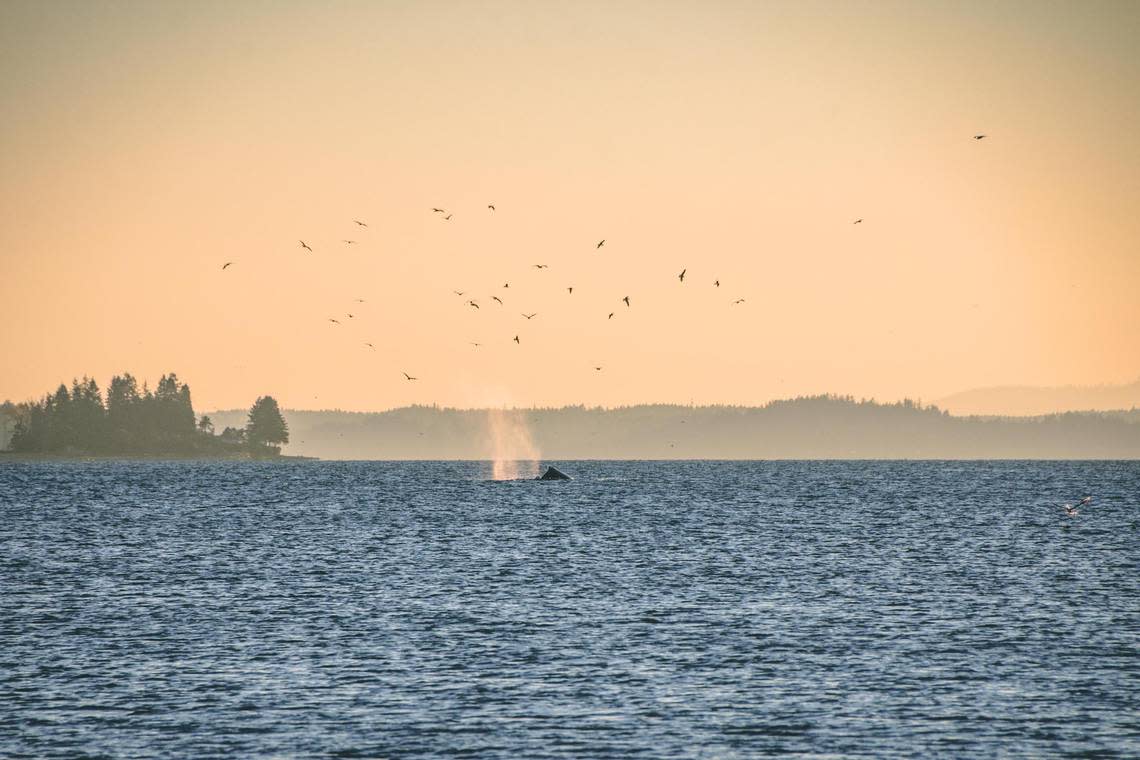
{"type": "Point", "coordinates": [143, 145]}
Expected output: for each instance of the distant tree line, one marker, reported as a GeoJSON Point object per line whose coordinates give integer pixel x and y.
{"type": "Point", "coordinates": [136, 421]}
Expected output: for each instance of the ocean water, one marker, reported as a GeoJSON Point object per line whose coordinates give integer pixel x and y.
{"type": "Point", "coordinates": [644, 609]}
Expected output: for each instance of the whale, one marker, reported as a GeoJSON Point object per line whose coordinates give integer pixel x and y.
{"type": "Point", "coordinates": [553, 473]}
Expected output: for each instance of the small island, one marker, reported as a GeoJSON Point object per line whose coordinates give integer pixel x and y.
{"type": "Point", "coordinates": [134, 422]}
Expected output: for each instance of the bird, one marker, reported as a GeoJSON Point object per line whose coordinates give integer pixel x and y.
{"type": "Point", "coordinates": [600, 243]}
{"type": "Point", "coordinates": [496, 298]}
{"type": "Point", "coordinates": [350, 316]}
{"type": "Point", "coordinates": [531, 316]}
{"type": "Point", "coordinates": [540, 266]}
{"type": "Point", "coordinates": [506, 284]}
{"type": "Point", "coordinates": [738, 300]}
{"type": "Point", "coordinates": [458, 292]}
{"type": "Point", "coordinates": [227, 264]}
{"type": "Point", "coordinates": [491, 206]}
{"type": "Point", "coordinates": [306, 246]}
{"type": "Point", "coordinates": [979, 137]}
{"type": "Point", "coordinates": [439, 211]}
{"type": "Point", "coordinates": [681, 276]}
{"type": "Point", "coordinates": [362, 224]}
{"type": "Point", "coordinates": [626, 299]}
{"type": "Point", "coordinates": [447, 218]}
{"type": "Point", "coordinates": [717, 283]}
{"type": "Point", "coordinates": [611, 316]}
{"type": "Point", "coordinates": [349, 242]}
{"type": "Point", "coordinates": [334, 321]}
{"type": "Point", "coordinates": [517, 340]}
{"type": "Point", "coordinates": [370, 346]}
{"type": "Point", "coordinates": [409, 377]}
{"type": "Point", "coordinates": [359, 300]}
{"type": "Point", "coordinates": [858, 221]}
{"type": "Point", "coordinates": [570, 290]}
{"type": "Point", "coordinates": [597, 369]}
{"type": "Point", "coordinates": [476, 344]}
{"type": "Point", "coordinates": [1070, 510]}
{"type": "Point", "coordinates": [472, 303]}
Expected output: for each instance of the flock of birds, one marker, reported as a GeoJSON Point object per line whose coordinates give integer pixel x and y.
{"type": "Point", "coordinates": [474, 304]}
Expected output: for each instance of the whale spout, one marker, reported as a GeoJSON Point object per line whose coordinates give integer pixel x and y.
{"type": "Point", "coordinates": [553, 473]}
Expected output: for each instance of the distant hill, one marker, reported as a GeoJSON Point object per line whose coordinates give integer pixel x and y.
{"type": "Point", "coordinates": [824, 427]}
{"type": "Point", "coordinates": [1026, 400]}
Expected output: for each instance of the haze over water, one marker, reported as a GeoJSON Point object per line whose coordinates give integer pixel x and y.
{"type": "Point", "coordinates": [697, 609]}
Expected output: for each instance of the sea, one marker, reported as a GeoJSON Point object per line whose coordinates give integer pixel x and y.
{"type": "Point", "coordinates": [695, 609]}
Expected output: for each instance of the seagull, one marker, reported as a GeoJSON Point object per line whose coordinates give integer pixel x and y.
{"type": "Point", "coordinates": [370, 346]}
{"type": "Point", "coordinates": [362, 224]}
{"type": "Point", "coordinates": [738, 300]}
{"type": "Point", "coordinates": [597, 369]}
{"type": "Point", "coordinates": [600, 243]}
{"type": "Point", "coordinates": [496, 298]}
{"type": "Point", "coordinates": [1070, 510]}
{"type": "Point", "coordinates": [506, 284]}
{"type": "Point", "coordinates": [540, 266]}
{"type": "Point", "coordinates": [570, 290]}
{"type": "Point", "coordinates": [681, 276]}
{"type": "Point", "coordinates": [717, 283]}
{"type": "Point", "coordinates": [359, 300]}
{"type": "Point", "coordinates": [458, 292]}
{"type": "Point", "coordinates": [439, 211]}
{"type": "Point", "coordinates": [476, 344]}
{"type": "Point", "coordinates": [447, 218]}
{"type": "Point", "coordinates": [472, 303]}
{"type": "Point", "coordinates": [626, 299]}
{"type": "Point", "coordinates": [531, 316]}
{"type": "Point", "coordinates": [227, 264]}
{"type": "Point", "coordinates": [858, 221]}
{"type": "Point", "coordinates": [979, 137]}
{"type": "Point", "coordinates": [306, 247]}
{"type": "Point", "coordinates": [334, 321]}
{"type": "Point", "coordinates": [517, 340]}
{"type": "Point", "coordinates": [410, 377]}
{"type": "Point", "coordinates": [351, 316]}
{"type": "Point", "coordinates": [611, 316]}
{"type": "Point", "coordinates": [491, 206]}
{"type": "Point", "coordinates": [349, 242]}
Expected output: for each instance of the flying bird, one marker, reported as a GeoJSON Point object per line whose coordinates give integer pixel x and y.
{"type": "Point", "coordinates": [350, 316]}
{"type": "Point", "coordinates": [681, 276]}
{"type": "Point", "coordinates": [362, 224]}
{"type": "Point", "coordinates": [458, 292]}
{"type": "Point", "coordinates": [717, 283]}
{"type": "Point", "coordinates": [306, 246]}
{"type": "Point", "coordinates": [517, 340]}
{"type": "Point", "coordinates": [597, 369]}
{"type": "Point", "coordinates": [626, 299]}
{"type": "Point", "coordinates": [447, 218]}
{"type": "Point", "coordinates": [506, 284]}
{"type": "Point", "coordinates": [370, 346]}
{"type": "Point", "coordinates": [531, 316]}
{"type": "Point", "coordinates": [540, 266]}
{"type": "Point", "coordinates": [491, 206]}
{"type": "Point", "coordinates": [979, 137]}
{"type": "Point", "coordinates": [611, 316]}
{"type": "Point", "coordinates": [496, 298]}
{"type": "Point", "coordinates": [476, 344]}
{"type": "Point", "coordinates": [334, 321]}
{"type": "Point", "coordinates": [227, 264]}
{"type": "Point", "coordinates": [858, 221]}
{"type": "Point", "coordinates": [738, 300]}
{"type": "Point", "coordinates": [600, 243]}
{"type": "Point", "coordinates": [472, 303]}
{"type": "Point", "coordinates": [349, 242]}
{"type": "Point", "coordinates": [570, 290]}
{"type": "Point", "coordinates": [359, 300]}
{"type": "Point", "coordinates": [410, 377]}
{"type": "Point", "coordinates": [439, 211]}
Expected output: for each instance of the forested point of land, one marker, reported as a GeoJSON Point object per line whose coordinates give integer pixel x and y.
{"type": "Point", "coordinates": [133, 420]}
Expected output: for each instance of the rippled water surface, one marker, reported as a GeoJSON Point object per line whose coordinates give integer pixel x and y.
{"type": "Point", "coordinates": [644, 609]}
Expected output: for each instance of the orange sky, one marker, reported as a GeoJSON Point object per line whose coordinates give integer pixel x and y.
{"type": "Point", "coordinates": [146, 144]}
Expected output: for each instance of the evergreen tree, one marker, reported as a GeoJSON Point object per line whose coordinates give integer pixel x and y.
{"type": "Point", "coordinates": [266, 426]}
